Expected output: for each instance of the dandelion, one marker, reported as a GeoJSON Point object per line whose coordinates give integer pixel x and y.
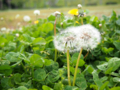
{"type": "Point", "coordinates": [57, 13]}
{"type": "Point", "coordinates": [36, 22]}
{"type": "Point", "coordinates": [17, 34]}
{"type": "Point", "coordinates": [3, 29]}
{"type": "Point", "coordinates": [100, 25]}
{"type": "Point", "coordinates": [89, 37]}
{"type": "Point", "coordinates": [26, 18]}
{"type": "Point", "coordinates": [17, 16]}
{"type": "Point", "coordinates": [73, 12]}
{"type": "Point", "coordinates": [77, 22]}
{"type": "Point", "coordinates": [66, 41]}
{"type": "Point", "coordinates": [79, 6]}
{"type": "Point", "coordinates": [1, 18]}
{"type": "Point", "coordinates": [36, 12]}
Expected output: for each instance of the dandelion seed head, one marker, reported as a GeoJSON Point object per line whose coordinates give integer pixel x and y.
{"type": "Point", "coordinates": [89, 36]}
{"type": "Point", "coordinates": [36, 12]}
{"type": "Point", "coordinates": [3, 29]}
{"type": "Point", "coordinates": [57, 13]}
{"type": "Point", "coordinates": [17, 34]}
{"type": "Point", "coordinates": [100, 25]}
{"type": "Point", "coordinates": [79, 6]}
{"type": "Point", "coordinates": [17, 16]}
{"type": "Point", "coordinates": [26, 18]}
{"type": "Point", "coordinates": [66, 40]}
{"type": "Point", "coordinates": [1, 18]}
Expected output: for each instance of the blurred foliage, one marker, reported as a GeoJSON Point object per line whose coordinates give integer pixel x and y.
{"type": "Point", "coordinates": [52, 3]}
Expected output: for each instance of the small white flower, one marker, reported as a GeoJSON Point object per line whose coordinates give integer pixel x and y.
{"type": "Point", "coordinates": [37, 12]}
{"type": "Point", "coordinates": [100, 25]}
{"type": "Point", "coordinates": [17, 34]}
{"type": "Point", "coordinates": [3, 29]}
{"type": "Point", "coordinates": [26, 18]}
{"type": "Point", "coordinates": [1, 18]}
{"type": "Point", "coordinates": [79, 6]}
{"type": "Point", "coordinates": [20, 28]}
{"type": "Point", "coordinates": [61, 23]}
{"type": "Point", "coordinates": [57, 13]}
{"type": "Point", "coordinates": [18, 24]}
{"type": "Point", "coordinates": [17, 16]}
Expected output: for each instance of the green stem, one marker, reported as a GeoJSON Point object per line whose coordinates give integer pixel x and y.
{"type": "Point", "coordinates": [68, 68]}
{"type": "Point", "coordinates": [55, 55]}
{"type": "Point", "coordinates": [32, 74]}
{"type": "Point", "coordinates": [82, 20]}
{"type": "Point", "coordinates": [77, 67]}
{"type": "Point", "coordinates": [55, 35]}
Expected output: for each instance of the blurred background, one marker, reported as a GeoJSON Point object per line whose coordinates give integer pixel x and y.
{"type": "Point", "coordinates": [30, 4]}
{"type": "Point", "coordinates": [13, 11]}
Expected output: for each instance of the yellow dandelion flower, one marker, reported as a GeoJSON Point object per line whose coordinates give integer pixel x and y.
{"type": "Point", "coordinates": [77, 22]}
{"type": "Point", "coordinates": [73, 12]}
{"type": "Point", "coordinates": [36, 22]}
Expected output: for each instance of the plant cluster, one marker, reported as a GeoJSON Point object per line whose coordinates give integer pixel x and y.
{"type": "Point", "coordinates": [28, 60]}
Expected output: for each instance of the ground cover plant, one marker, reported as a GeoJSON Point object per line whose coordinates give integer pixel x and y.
{"type": "Point", "coordinates": [29, 59]}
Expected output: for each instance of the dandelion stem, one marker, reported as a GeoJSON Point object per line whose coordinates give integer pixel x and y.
{"type": "Point", "coordinates": [82, 20]}
{"type": "Point", "coordinates": [55, 58]}
{"type": "Point", "coordinates": [55, 55]}
{"type": "Point", "coordinates": [77, 66]}
{"type": "Point", "coordinates": [68, 68]}
{"type": "Point", "coordinates": [86, 54]}
{"type": "Point", "coordinates": [55, 27]}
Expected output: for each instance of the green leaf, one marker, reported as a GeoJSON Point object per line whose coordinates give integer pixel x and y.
{"type": "Point", "coordinates": [58, 86]}
{"type": "Point", "coordinates": [5, 69]}
{"type": "Point", "coordinates": [117, 44]}
{"type": "Point", "coordinates": [102, 66]}
{"type": "Point", "coordinates": [47, 27]}
{"type": "Point", "coordinates": [88, 68]}
{"type": "Point", "coordinates": [2, 41]}
{"type": "Point", "coordinates": [104, 85]}
{"type": "Point", "coordinates": [39, 41]}
{"type": "Point", "coordinates": [96, 79]}
{"type": "Point", "coordinates": [81, 82]}
{"type": "Point", "coordinates": [116, 79]}
{"type": "Point", "coordinates": [40, 74]}
{"type": "Point", "coordinates": [51, 18]}
{"type": "Point", "coordinates": [75, 57]}
{"type": "Point", "coordinates": [115, 63]}
{"type": "Point", "coordinates": [104, 78]}
{"type": "Point", "coordinates": [71, 88]}
{"type": "Point", "coordinates": [118, 22]}
{"type": "Point", "coordinates": [21, 88]}
{"type": "Point", "coordinates": [13, 56]}
{"type": "Point", "coordinates": [36, 60]}
{"type": "Point", "coordinates": [109, 70]}
{"type": "Point", "coordinates": [115, 88]}
{"type": "Point", "coordinates": [72, 70]}
{"type": "Point", "coordinates": [53, 76]}
{"type": "Point", "coordinates": [17, 78]}
{"type": "Point", "coordinates": [44, 87]}
{"type": "Point", "coordinates": [95, 87]}
{"type": "Point", "coordinates": [6, 83]}
{"type": "Point", "coordinates": [48, 62]}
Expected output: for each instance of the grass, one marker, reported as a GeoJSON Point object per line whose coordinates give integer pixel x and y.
{"type": "Point", "coordinates": [11, 22]}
